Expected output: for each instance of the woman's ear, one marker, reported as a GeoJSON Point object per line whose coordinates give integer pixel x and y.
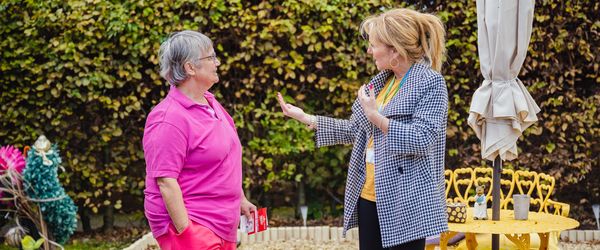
{"type": "Point", "coordinates": [396, 55]}
{"type": "Point", "coordinates": [189, 69]}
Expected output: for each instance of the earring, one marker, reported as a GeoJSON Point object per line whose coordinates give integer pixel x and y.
{"type": "Point", "coordinates": [394, 65]}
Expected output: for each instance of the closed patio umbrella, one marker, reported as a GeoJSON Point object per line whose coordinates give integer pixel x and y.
{"type": "Point", "coordinates": [501, 108]}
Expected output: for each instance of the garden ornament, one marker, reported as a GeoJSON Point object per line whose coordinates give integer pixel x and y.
{"type": "Point", "coordinates": [480, 205]}
{"type": "Point", "coordinates": [304, 212]}
{"type": "Point", "coordinates": [43, 147]}
{"type": "Point", "coordinates": [11, 163]}
{"type": "Point", "coordinates": [43, 186]}
{"type": "Point", "coordinates": [14, 235]}
{"type": "Point", "coordinates": [596, 208]}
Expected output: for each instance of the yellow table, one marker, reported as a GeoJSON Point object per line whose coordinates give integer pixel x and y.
{"type": "Point", "coordinates": [516, 231]}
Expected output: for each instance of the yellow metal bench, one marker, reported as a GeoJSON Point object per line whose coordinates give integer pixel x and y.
{"type": "Point", "coordinates": [461, 183]}
{"type": "Point", "coordinates": [460, 187]}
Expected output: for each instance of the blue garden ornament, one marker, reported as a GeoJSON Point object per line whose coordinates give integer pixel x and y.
{"type": "Point", "coordinates": [42, 186]}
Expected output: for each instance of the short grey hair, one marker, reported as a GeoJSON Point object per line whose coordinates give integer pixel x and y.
{"type": "Point", "coordinates": [180, 48]}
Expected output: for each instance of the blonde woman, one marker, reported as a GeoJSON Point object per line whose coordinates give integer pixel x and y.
{"type": "Point", "coordinates": [395, 186]}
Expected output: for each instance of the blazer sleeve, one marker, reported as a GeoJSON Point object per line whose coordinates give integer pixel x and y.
{"type": "Point", "coordinates": [428, 122]}
{"type": "Point", "coordinates": [332, 131]}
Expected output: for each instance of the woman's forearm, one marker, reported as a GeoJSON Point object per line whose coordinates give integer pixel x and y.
{"type": "Point", "coordinates": [383, 123]}
{"type": "Point", "coordinates": [306, 119]}
{"type": "Point", "coordinates": [379, 121]}
{"type": "Point", "coordinates": [171, 194]}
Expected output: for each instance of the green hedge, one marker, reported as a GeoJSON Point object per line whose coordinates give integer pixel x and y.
{"type": "Point", "coordinates": [84, 73]}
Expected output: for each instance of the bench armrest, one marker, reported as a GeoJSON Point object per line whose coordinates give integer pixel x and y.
{"type": "Point", "coordinates": [557, 208]}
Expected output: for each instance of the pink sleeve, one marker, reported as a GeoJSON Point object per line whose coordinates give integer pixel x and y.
{"type": "Point", "coordinates": [165, 150]}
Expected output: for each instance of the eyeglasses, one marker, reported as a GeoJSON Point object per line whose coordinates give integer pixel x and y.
{"type": "Point", "coordinates": [214, 58]}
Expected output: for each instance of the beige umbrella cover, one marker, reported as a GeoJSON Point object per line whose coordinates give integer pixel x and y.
{"type": "Point", "coordinates": [502, 108]}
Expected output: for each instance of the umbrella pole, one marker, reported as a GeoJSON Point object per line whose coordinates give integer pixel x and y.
{"type": "Point", "coordinates": [496, 199]}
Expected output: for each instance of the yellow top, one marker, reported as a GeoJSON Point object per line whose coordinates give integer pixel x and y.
{"type": "Point", "coordinates": [368, 191]}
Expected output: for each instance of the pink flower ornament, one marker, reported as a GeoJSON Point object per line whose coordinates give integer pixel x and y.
{"type": "Point", "coordinates": [12, 164]}
{"type": "Point", "coordinates": [11, 159]}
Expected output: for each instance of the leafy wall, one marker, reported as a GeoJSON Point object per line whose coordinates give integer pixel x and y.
{"type": "Point", "coordinates": [85, 74]}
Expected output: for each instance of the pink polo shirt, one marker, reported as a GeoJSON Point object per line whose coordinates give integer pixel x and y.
{"type": "Point", "coordinates": [201, 149]}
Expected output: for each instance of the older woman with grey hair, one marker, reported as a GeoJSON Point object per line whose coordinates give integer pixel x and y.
{"type": "Point", "coordinates": [193, 155]}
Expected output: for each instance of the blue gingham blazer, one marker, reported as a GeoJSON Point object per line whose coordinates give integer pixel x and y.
{"type": "Point", "coordinates": [409, 160]}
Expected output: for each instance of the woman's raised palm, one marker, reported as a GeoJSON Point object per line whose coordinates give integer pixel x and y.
{"type": "Point", "coordinates": [290, 110]}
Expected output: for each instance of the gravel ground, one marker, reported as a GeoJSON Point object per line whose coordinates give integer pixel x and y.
{"type": "Point", "coordinates": [332, 245]}
{"type": "Point", "coordinates": [300, 245]}
{"type": "Point", "coordinates": [580, 246]}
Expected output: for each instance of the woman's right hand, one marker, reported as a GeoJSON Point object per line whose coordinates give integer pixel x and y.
{"type": "Point", "coordinates": [173, 199]}
{"type": "Point", "coordinates": [181, 226]}
{"type": "Point", "coordinates": [292, 111]}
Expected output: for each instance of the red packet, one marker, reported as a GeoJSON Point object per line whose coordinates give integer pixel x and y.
{"type": "Point", "coordinates": [263, 223]}
{"type": "Point", "coordinates": [258, 223]}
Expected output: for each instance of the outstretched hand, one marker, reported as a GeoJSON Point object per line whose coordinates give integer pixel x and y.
{"type": "Point", "coordinates": [290, 110]}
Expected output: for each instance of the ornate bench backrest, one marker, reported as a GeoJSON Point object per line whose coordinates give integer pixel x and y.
{"type": "Point", "coordinates": [462, 181]}
{"type": "Point", "coordinates": [460, 187]}
{"type": "Point", "coordinates": [448, 183]}
{"type": "Point", "coordinates": [507, 184]}
{"type": "Point", "coordinates": [545, 188]}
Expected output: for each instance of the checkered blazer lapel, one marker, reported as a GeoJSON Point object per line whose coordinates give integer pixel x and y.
{"type": "Point", "coordinates": [404, 102]}
{"type": "Point", "coordinates": [359, 114]}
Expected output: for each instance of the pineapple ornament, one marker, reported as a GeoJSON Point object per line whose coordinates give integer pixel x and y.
{"type": "Point", "coordinates": [42, 184]}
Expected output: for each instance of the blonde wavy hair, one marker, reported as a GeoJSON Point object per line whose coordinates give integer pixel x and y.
{"type": "Point", "coordinates": [416, 36]}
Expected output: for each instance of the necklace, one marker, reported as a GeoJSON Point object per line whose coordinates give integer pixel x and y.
{"type": "Point", "coordinates": [389, 88]}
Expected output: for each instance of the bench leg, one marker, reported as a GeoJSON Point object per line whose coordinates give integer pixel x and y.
{"type": "Point", "coordinates": [544, 240]}
{"type": "Point", "coordinates": [471, 241]}
{"type": "Point", "coordinates": [521, 240]}
{"type": "Point", "coordinates": [444, 238]}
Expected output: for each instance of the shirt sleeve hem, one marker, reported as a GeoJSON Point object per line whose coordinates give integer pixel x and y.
{"type": "Point", "coordinates": [163, 173]}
